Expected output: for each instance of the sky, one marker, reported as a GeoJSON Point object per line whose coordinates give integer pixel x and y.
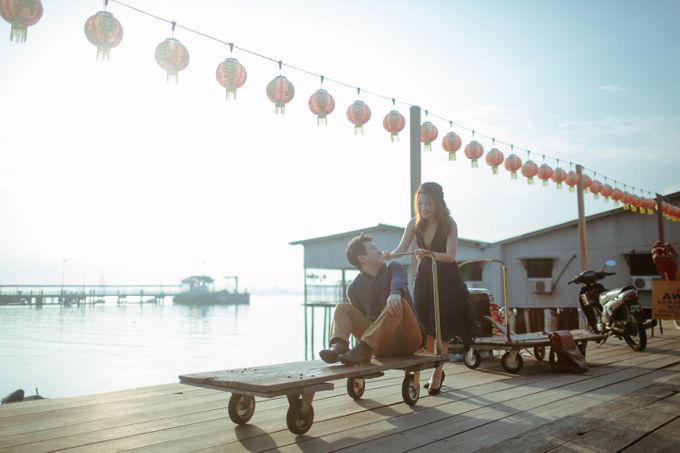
{"type": "Point", "coordinates": [111, 175]}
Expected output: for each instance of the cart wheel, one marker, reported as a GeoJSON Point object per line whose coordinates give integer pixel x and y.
{"type": "Point", "coordinates": [409, 391]}
{"type": "Point", "coordinates": [356, 387]}
{"type": "Point", "coordinates": [539, 353]}
{"type": "Point", "coordinates": [582, 347]}
{"type": "Point", "coordinates": [472, 359]}
{"type": "Point", "coordinates": [512, 366]}
{"type": "Point", "coordinates": [299, 423]}
{"type": "Point", "coordinates": [241, 408]}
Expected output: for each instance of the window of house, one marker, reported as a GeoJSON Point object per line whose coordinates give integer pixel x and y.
{"type": "Point", "coordinates": [539, 267]}
{"type": "Point", "coordinates": [472, 272]}
{"type": "Point", "coordinates": [641, 264]}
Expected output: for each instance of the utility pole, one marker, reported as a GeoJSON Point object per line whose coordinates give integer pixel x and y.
{"type": "Point", "coordinates": [582, 238]}
{"type": "Point", "coordinates": [415, 153]}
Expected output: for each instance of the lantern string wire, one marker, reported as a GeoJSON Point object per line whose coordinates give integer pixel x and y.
{"type": "Point", "coordinates": [391, 99]}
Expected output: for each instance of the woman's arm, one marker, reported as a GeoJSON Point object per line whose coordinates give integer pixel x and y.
{"type": "Point", "coordinates": [406, 239]}
{"type": "Point", "coordinates": [451, 247]}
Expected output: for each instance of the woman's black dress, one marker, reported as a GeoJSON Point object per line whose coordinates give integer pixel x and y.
{"type": "Point", "coordinates": [455, 311]}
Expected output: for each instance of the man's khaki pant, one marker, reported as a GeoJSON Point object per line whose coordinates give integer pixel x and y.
{"type": "Point", "coordinates": [389, 335]}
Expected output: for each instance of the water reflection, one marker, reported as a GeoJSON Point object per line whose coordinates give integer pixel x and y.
{"type": "Point", "coordinates": [73, 350]}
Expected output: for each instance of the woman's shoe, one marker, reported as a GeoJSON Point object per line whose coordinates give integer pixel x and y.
{"type": "Point", "coordinates": [433, 391]}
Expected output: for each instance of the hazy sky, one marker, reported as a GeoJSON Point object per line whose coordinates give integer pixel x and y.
{"type": "Point", "coordinates": [131, 179]}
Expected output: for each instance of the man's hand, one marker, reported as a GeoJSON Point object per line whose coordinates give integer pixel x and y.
{"type": "Point", "coordinates": [393, 304]}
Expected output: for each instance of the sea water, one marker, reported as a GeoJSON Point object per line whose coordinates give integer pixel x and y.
{"type": "Point", "coordinates": [76, 350]}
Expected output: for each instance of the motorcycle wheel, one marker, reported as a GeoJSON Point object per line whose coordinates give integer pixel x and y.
{"type": "Point", "coordinates": [637, 342]}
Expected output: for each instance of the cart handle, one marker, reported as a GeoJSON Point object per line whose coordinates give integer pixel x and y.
{"type": "Point", "coordinates": [505, 288]}
{"type": "Point", "coordinates": [435, 290]}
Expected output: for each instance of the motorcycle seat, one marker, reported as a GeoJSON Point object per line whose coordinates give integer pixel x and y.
{"type": "Point", "coordinates": [607, 296]}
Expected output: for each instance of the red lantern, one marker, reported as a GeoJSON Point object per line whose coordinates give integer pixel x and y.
{"type": "Point", "coordinates": [172, 56]}
{"type": "Point", "coordinates": [559, 176]}
{"type": "Point", "coordinates": [513, 163]}
{"type": "Point", "coordinates": [596, 188]}
{"type": "Point", "coordinates": [529, 170]}
{"type": "Point", "coordinates": [428, 134]}
{"type": "Point", "coordinates": [493, 159]}
{"type": "Point", "coordinates": [358, 114]}
{"type": "Point", "coordinates": [587, 181]}
{"type": "Point", "coordinates": [394, 123]}
{"type": "Point", "coordinates": [652, 206]}
{"type": "Point", "coordinates": [617, 196]}
{"type": "Point", "coordinates": [473, 151]}
{"type": "Point", "coordinates": [322, 104]}
{"type": "Point", "coordinates": [451, 143]}
{"type": "Point", "coordinates": [545, 172]}
{"type": "Point", "coordinates": [634, 203]}
{"type": "Point", "coordinates": [280, 91]}
{"type": "Point", "coordinates": [572, 180]}
{"type": "Point", "coordinates": [607, 192]}
{"type": "Point", "coordinates": [231, 75]}
{"type": "Point", "coordinates": [104, 31]}
{"type": "Point", "coordinates": [21, 14]}
{"type": "Point", "coordinates": [626, 199]}
{"type": "Point", "coordinates": [671, 212]}
{"type": "Point", "coordinates": [675, 213]}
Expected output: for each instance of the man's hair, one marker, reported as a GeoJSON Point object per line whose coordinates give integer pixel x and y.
{"type": "Point", "coordinates": [356, 247]}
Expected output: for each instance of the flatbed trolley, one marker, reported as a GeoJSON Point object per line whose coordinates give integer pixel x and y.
{"type": "Point", "coordinates": [512, 343]}
{"type": "Point", "coordinates": [300, 381]}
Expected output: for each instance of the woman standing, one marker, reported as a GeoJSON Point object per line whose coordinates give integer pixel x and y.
{"type": "Point", "coordinates": [436, 232]}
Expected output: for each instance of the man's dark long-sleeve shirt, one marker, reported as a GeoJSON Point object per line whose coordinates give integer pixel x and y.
{"type": "Point", "coordinates": [369, 294]}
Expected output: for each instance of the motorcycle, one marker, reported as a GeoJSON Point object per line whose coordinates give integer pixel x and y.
{"type": "Point", "coordinates": [615, 311]}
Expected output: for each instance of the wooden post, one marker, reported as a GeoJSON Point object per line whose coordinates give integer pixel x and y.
{"type": "Point", "coordinates": [659, 217]}
{"type": "Point", "coordinates": [416, 173]}
{"type": "Point", "coordinates": [582, 239]}
{"type": "Point", "coordinates": [415, 153]}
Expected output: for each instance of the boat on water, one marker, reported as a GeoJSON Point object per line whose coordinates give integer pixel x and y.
{"type": "Point", "coordinates": [199, 290]}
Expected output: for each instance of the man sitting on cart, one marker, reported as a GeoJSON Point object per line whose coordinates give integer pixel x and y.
{"type": "Point", "coordinates": [380, 313]}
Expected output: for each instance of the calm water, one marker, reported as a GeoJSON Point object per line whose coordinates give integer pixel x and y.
{"type": "Point", "coordinates": [67, 351]}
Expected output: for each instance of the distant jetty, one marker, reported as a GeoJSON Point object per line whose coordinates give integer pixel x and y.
{"type": "Point", "coordinates": [193, 290]}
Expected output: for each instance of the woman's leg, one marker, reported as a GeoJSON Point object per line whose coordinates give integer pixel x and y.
{"type": "Point", "coordinates": [436, 379]}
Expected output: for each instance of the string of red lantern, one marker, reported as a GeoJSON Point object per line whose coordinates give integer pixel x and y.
{"type": "Point", "coordinates": [105, 32]}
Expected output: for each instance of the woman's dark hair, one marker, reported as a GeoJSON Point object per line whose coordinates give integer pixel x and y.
{"type": "Point", "coordinates": [436, 194]}
{"type": "Point", "coordinates": [356, 247]}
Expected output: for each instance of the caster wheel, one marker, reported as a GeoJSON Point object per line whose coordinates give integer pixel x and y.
{"type": "Point", "coordinates": [409, 390]}
{"type": "Point", "coordinates": [241, 408]}
{"type": "Point", "coordinates": [356, 387]}
{"type": "Point", "coordinates": [472, 359]}
{"type": "Point", "coordinates": [512, 366]}
{"type": "Point", "coordinates": [539, 353]}
{"type": "Point", "coordinates": [299, 423]}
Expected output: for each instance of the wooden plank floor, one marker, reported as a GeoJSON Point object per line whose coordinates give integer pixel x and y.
{"type": "Point", "coordinates": [627, 397]}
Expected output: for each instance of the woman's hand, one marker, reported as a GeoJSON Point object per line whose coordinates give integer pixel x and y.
{"type": "Point", "coordinates": [421, 253]}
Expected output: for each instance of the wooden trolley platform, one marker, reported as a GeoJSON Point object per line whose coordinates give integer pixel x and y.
{"type": "Point", "coordinates": [299, 381]}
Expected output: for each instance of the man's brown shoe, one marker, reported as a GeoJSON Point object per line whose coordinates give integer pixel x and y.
{"type": "Point", "coordinates": [331, 354]}
{"type": "Point", "coordinates": [359, 355]}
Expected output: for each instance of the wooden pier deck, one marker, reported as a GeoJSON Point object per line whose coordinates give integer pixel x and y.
{"type": "Point", "coordinates": [626, 401]}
